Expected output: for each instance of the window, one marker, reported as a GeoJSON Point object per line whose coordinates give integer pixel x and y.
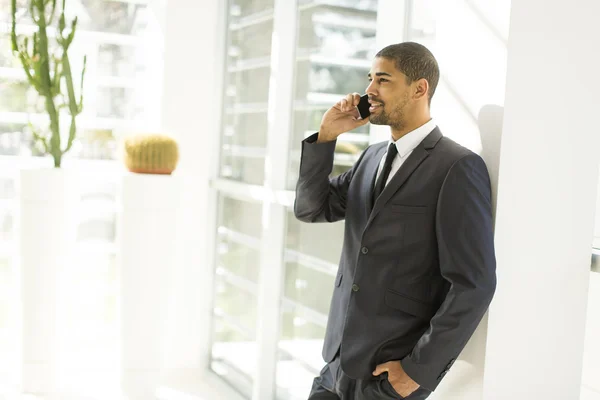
{"type": "Point", "coordinates": [246, 91]}
{"type": "Point", "coordinates": [242, 158]}
{"type": "Point", "coordinates": [334, 50]}
{"type": "Point", "coordinates": [335, 41]}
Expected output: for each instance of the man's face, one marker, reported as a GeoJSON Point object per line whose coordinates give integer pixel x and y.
{"type": "Point", "coordinates": [389, 94]}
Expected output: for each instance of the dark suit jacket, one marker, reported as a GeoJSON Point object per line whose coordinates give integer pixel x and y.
{"type": "Point", "coordinates": [417, 269]}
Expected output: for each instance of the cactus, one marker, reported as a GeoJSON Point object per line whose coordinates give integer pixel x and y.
{"type": "Point", "coordinates": [150, 154]}
{"type": "Point", "coordinates": [47, 72]}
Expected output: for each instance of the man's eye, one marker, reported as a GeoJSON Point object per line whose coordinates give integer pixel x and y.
{"type": "Point", "coordinates": [383, 80]}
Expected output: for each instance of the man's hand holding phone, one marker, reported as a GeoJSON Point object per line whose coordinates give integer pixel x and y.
{"type": "Point", "coordinates": [340, 118]}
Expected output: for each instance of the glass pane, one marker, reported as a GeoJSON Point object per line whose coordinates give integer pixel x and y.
{"type": "Point", "coordinates": [329, 79]}
{"type": "Point", "coordinates": [242, 8]}
{"type": "Point", "coordinates": [299, 357]}
{"type": "Point", "coordinates": [240, 217]}
{"type": "Point", "coordinates": [244, 130]}
{"type": "Point", "coordinates": [115, 60]}
{"type": "Point", "coordinates": [234, 342]}
{"type": "Point", "coordinates": [370, 5]}
{"type": "Point", "coordinates": [250, 39]}
{"type": "Point", "coordinates": [321, 241]}
{"type": "Point", "coordinates": [239, 228]}
{"type": "Point", "coordinates": [112, 102]}
{"type": "Point", "coordinates": [304, 280]}
{"type": "Point", "coordinates": [233, 356]}
{"type": "Point", "coordinates": [311, 256]}
{"type": "Point", "coordinates": [246, 91]}
{"type": "Point", "coordinates": [336, 44]}
{"type": "Point", "coordinates": [248, 86]}
{"type": "Point", "coordinates": [18, 97]}
{"type": "Point", "coordinates": [6, 57]}
{"type": "Point", "coordinates": [12, 139]}
{"type": "Point", "coordinates": [237, 258]}
{"type": "Point", "coordinates": [239, 166]}
{"type": "Point", "coordinates": [234, 303]}
{"type": "Point", "coordinates": [122, 17]}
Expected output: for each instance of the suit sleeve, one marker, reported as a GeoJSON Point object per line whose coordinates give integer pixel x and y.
{"type": "Point", "coordinates": [318, 197]}
{"type": "Point", "coordinates": [464, 230]}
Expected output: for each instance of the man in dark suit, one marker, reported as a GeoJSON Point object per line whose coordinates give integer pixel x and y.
{"type": "Point", "coordinates": [417, 269]}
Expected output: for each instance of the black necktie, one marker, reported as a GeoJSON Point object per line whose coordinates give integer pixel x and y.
{"type": "Point", "coordinates": [385, 172]}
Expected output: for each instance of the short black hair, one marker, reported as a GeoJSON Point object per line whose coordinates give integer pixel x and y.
{"type": "Point", "coordinates": [415, 61]}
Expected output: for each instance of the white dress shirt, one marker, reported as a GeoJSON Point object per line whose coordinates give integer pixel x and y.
{"type": "Point", "coordinates": [405, 145]}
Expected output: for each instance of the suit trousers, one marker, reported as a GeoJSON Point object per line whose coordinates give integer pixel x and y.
{"type": "Point", "coordinates": [334, 384]}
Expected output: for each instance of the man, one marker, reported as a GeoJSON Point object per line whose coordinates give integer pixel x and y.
{"type": "Point", "coordinates": [417, 270]}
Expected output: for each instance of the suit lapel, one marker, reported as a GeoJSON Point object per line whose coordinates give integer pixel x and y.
{"type": "Point", "coordinates": [371, 175]}
{"type": "Point", "coordinates": [419, 154]}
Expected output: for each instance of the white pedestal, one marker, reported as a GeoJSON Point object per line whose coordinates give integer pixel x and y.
{"type": "Point", "coordinates": [147, 250]}
{"type": "Point", "coordinates": [47, 234]}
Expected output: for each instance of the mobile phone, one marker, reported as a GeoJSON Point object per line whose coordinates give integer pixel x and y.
{"type": "Point", "coordinates": [363, 107]}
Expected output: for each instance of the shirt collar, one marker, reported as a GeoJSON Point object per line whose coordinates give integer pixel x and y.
{"type": "Point", "coordinates": [411, 140]}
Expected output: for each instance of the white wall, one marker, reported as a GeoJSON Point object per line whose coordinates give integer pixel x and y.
{"type": "Point", "coordinates": [546, 201]}
{"type": "Point", "coordinates": [191, 111]}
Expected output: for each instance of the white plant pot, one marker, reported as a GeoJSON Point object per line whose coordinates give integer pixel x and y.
{"type": "Point", "coordinates": [47, 235]}
{"type": "Point", "coordinates": [147, 226]}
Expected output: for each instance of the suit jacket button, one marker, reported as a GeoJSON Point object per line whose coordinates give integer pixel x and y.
{"type": "Point", "coordinates": [364, 250]}
{"type": "Point", "coordinates": [355, 288]}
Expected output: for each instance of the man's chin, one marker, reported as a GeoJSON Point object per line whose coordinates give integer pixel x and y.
{"type": "Point", "coordinates": [375, 120]}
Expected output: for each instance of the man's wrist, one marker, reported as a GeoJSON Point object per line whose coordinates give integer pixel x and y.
{"type": "Point", "coordinates": [324, 138]}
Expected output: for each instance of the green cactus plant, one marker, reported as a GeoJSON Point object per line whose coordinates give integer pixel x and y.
{"type": "Point", "coordinates": [50, 74]}
{"type": "Point", "coordinates": [150, 154]}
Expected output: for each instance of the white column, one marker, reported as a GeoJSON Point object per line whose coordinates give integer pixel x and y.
{"type": "Point", "coordinates": [272, 267]}
{"type": "Point", "coordinates": [47, 236]}
{"type": "Point", "coordinates": [194, 50]}
{"type": "Point", "coordinates": [147, 237]}
{"type": "Point", "coordinates": [546, 201]}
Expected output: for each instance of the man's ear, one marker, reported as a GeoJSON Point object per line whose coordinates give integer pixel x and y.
{"type": "Point", "coordinates": [421, 89]}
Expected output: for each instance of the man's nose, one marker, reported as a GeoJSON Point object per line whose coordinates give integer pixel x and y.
{"type": "Point", "coordinates": [370, 90]}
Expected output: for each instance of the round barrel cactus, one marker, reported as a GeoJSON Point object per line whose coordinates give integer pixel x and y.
{"type": "Point", "coordinates": [151, 154]}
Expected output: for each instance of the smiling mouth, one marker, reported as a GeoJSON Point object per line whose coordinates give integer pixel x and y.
{"type": "Point", "coordinates": [375, 106]}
